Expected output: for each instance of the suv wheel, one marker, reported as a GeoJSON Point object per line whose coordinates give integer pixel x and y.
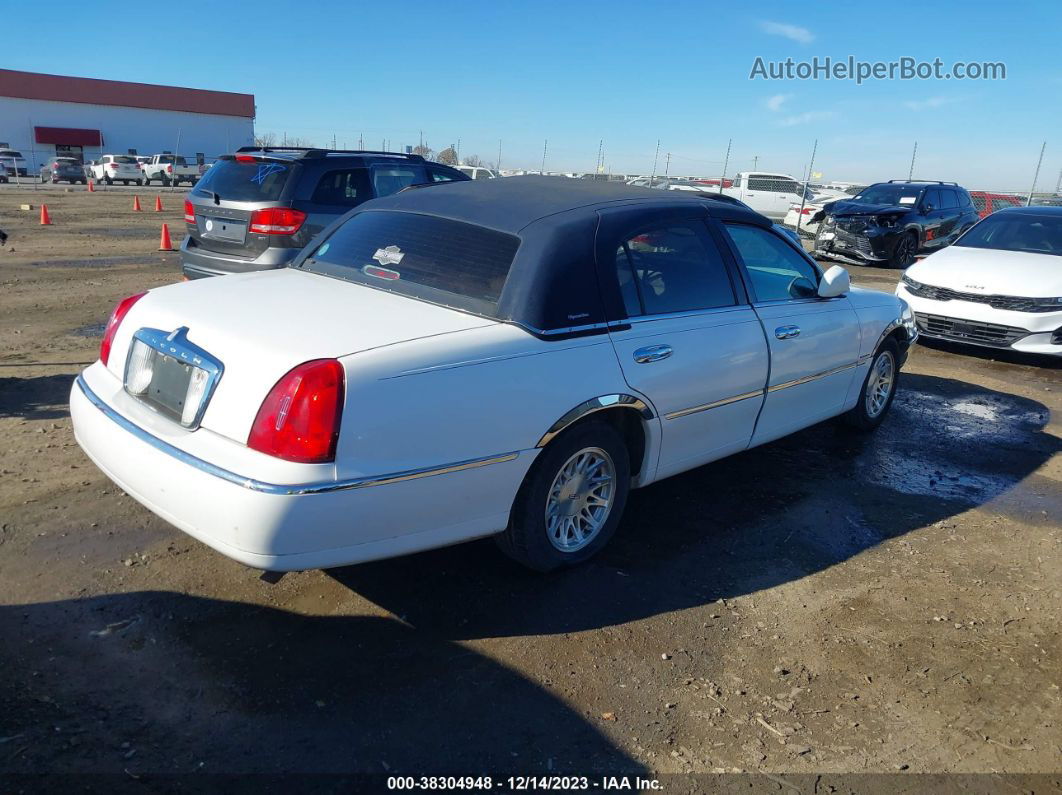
{"type": "Point", "coordinates": [571, 500]}
{"type": "Point", "coordinates": [904, 253]}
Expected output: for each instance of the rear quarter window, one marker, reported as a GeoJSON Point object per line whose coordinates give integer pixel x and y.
{"type": "Point", "coordinates": [259, 181]}
{"type": "Point", "coordinates": [422, 256]}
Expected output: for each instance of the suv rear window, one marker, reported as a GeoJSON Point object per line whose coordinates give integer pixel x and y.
{"type": "Point", "coordinates": [260, 181]}
{"type": "Point", "coordinates": [422, 256]}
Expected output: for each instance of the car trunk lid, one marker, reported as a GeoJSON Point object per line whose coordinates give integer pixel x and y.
{"type": "Point", "coordinates": [260, 325]}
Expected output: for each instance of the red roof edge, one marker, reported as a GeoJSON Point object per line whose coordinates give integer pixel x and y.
{"type": "Point", "coordinates": [89, 90]}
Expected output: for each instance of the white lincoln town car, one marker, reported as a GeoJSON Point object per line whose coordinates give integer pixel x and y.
{"type": "Point", "coordinates": [503, 357]}
{"type": "Point", "coordinates": [997, 286]}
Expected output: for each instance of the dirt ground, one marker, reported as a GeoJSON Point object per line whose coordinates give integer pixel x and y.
{"type": "Point", "coordinates": [826, 604]}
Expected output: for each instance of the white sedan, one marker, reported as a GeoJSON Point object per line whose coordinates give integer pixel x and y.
{"type": "Point", "coordinates": [998, 286]}
{"type": "Point", "coordinates": [468, 359]}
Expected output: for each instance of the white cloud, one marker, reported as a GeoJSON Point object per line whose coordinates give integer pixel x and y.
{"type": "Point", "coordinates": [806, 118]}
{"type": "Point", "coordinates": [927, 104]}
{"type": "Point", "coordinates": [775, 103]}
{"type": "Point", "coordinates": [793, 32]}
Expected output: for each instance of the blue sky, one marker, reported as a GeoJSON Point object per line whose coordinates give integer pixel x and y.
{"type": "Point", "coordinates": [626, 72]}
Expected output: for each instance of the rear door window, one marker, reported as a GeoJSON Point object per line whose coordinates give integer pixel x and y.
{"type": "Point", "coordinates": [345, 188]}
{"type": "Point", "coordinates": [949, 199]}
{"type": "Point", "coordinates": [258, 181]}
{"type": "Point", "coordinates": [389, 179]}
{"type": "Point", "coordinates": [422, 256]}
{"type": "Point", "coordinates": [933, 198]}
{"type": "Point", "coordinates": [675, 268]}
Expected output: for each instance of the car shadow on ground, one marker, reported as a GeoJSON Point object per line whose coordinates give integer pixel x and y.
{"type": "Point", "coordinates": [44, 397]}
{"type": "Point", "coordinates": [208, 686]}
{"type": "Point", "coordinates": [752, 521]}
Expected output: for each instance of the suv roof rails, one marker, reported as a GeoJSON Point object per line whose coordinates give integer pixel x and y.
{"type": "Point", "coordinates": [927, 181]}
{"type": "Point", "coordinates": [315, 151]}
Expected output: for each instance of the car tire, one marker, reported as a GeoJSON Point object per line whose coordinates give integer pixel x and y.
{"type": "Point", "coordinates": [879, 389]}
{"type": "Point", "coordinates": [554, 485]}
{"type": "Point", "coordinates": [904, 253]}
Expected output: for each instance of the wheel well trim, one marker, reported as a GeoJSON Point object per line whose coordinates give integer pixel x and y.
{"type": "Point", "coordinates": [592, 406]}
{"type": "Point", "coordinates": [893, 326]}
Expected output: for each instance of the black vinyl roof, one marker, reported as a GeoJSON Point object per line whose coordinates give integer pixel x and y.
{"type": "Point", "coordinates": [568, 230]}
{"type": "Point", "coordinates": [509, 204]}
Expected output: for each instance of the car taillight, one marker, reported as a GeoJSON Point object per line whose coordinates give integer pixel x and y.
{"type": "Point", "coordinates": [112, 165]}
{"type": "Point", "coordinates": [189, 212]}
{"type": "Point", "coordinates": [276, 221]}
{"type": "Point", "coordinates": [299, 419]}
{"type": "Point", "coordinates": [169, 169]}
{"type": "Point", "coordinates": [117, 316]}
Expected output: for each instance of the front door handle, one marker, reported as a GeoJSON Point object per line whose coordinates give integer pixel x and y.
{"type": "Point", "coordinates": [787, 332]}
{"type": "Point", "coordinates": [653, 353]}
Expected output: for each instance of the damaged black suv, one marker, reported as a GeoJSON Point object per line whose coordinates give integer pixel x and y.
{"type": "Point", "coordinates": [888, 223]}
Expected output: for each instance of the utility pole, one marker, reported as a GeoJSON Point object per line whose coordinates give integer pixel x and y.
{"type": "Point", "coordinates": [1036, 176]}
{"type": "Point", "coordinates": [910, 172]}
{"type": "Point", "coordinates": [600, 156]}
{"type": "Point", "coordinates": [804, 193]}
{"type": "Point", "coordinates": [545, 144]}
{"type": "Point", "coordinates": [422, 139]}
{"type": "Point", "coordinates": [656, 158]}
{"type": "Point", "coordinates": [667, 164]}
{"type": "Point", "coordinates": [361, 141]}
{"type": "Point", "coordinates": [755, 161]}
{"type": "Point", "coordinates": [726, 162]}
{"type": "Point", "coordinates": [333, 140]}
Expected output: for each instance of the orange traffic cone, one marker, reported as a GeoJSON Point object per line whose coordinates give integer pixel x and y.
{"type": "Point", "coordinates": [164, 239]}
{"type": "Point", "coordinates": [45, 219]}
{"type": "Point", "coordinates": [91, 186]}
{"type": "Point", "coordinates": [136, 204]}
{"type": "Point", "coordinates": [158, 204]}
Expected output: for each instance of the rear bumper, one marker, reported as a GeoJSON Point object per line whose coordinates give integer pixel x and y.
{"type": "Point", "coordinates": [297, 526]}
{"type": "Point", "coordinates": [197, 262]}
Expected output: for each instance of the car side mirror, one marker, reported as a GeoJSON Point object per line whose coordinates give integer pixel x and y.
{"type": "Point", "coordinates": [835, 282]}
{"type": "Point", "coordinates": [927, 207]}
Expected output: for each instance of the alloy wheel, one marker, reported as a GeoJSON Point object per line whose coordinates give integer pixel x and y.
{"type": "Point", "coordinates": [580, 499]}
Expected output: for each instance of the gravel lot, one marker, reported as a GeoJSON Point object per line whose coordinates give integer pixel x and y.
{"type": "Point", "coordinates": [826, 604]}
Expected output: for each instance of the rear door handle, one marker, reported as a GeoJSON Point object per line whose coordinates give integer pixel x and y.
{"type": "Point", "coordinates": [787, 332]}
{"type": "Point", "coordinates": [652, 353]}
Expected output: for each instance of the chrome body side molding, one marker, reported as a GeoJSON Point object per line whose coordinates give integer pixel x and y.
{"type": "Point", "coordinates": [813, 377]}
{"type": "Point", "coordinates": [716, 404]}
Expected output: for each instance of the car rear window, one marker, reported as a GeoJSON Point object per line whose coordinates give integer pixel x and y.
{"type": "Point", "coordinates": [260, 181]}
{"type": "Point", "coordinates": [169, 159]}
{"type": "Point", "coordinates": [123, 159]}
{"type": "Point", "coordinates": [422, 256]}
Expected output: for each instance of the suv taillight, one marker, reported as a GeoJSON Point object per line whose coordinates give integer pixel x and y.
{"type": "Point", "coordinates": [169, 169]}
{"type": "Point", "coordinates": [299, 419]}
{"type": "Point", "coordinates": [112, 165]}
{"type": "Point", "coordinates": [189, 212]}
{"type": "Point", "coordinates": [276, 221]}
{"type": "Point", "coordinates": [117, 316]}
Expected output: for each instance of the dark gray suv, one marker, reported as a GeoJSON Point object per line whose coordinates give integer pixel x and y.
{"type": "Point", "coordinates": [257, 209]}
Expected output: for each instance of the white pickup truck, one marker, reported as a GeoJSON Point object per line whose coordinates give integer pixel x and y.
{"type": "Point", "coordinates": [168, 169]}
{"type": "Point", "coordinates": [766, 193]}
